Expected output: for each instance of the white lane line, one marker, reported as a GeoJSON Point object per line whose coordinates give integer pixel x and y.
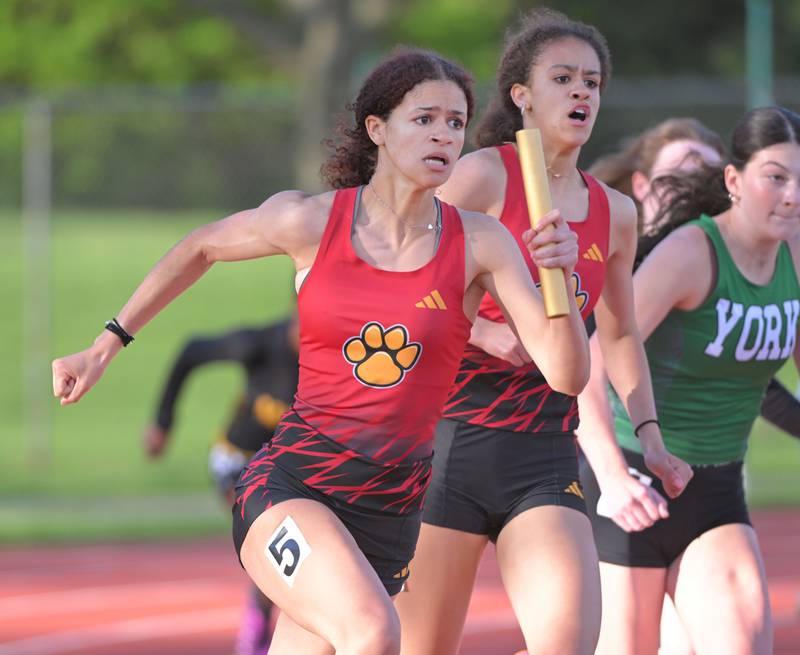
{"type": "Point", "coordinates": [113, 596]}
{"type": "Point", "coordinates": [120, 632]}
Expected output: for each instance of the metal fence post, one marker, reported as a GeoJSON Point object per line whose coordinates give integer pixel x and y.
{"type": "Point", "coordinates": [36, 204]}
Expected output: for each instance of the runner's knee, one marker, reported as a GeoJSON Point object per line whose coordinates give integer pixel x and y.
{"type": "Point", "coordinates": [375, 632]}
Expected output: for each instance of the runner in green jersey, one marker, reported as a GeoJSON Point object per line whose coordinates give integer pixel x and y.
{"type": "Point", "coordinates": [718, 301]}
{"type": "Point", "coordinates": [672, 145]}
{"type": "Point", "coordinates": [675, 144]}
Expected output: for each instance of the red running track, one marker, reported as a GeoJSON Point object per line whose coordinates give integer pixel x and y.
{"type": "Point", "coordinates": [186, 597]}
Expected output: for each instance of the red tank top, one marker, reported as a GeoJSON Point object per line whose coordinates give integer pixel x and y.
{"type": "Point", "coordinates": [379, 349]}
{"type": "Point", "coordinates": [496, 394]}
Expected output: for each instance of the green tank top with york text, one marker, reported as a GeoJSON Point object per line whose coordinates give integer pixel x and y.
{"type": "Point", "coordinates": [711, 365]}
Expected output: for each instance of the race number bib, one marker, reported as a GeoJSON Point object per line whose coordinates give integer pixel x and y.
{"type": "Point", "coordinates": [286, 549]}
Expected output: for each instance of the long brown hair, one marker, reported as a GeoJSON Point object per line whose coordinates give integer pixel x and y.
{"type": "Point", "coordinates": [523, 47]}
{"type": "Point", "coordinates": [355, 155]}
{"type": "Point", "coordinates": [639, 153]}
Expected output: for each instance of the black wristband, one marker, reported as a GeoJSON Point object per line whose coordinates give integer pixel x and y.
{"type": "Point", "coordinates": [642, 424]}
{"type": "Point", "coordinates": [114, 326]}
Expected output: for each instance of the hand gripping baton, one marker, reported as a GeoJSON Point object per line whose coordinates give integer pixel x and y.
{"type": "Point", "coordinates": [537, 193]}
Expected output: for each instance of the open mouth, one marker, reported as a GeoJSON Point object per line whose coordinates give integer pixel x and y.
{"type": "Point", "coordinates": [579, 114]}
{"type": "Point", "coordinates": [436, 159]}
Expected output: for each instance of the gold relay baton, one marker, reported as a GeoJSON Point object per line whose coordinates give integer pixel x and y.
{"type": "Point", "coordinates": [537, 193]}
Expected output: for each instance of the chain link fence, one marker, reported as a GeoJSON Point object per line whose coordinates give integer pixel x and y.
{"type": "Point", "coordinates": [228, 148]}
{"type": "Point", "coordinates": [210, 149]}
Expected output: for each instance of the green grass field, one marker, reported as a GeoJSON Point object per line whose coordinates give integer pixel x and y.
{"type": "Point", "coordinates": [94, 453]}
{"type": "Point", "coordinates": [94, 481]}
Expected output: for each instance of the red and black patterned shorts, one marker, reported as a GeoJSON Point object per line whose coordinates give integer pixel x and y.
{"type": "Point", "coordinates": [380, 505]}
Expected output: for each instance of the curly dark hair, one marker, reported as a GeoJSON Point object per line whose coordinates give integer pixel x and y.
{"type": "Point", "coordinates": [703, 191]}
{"type": "Point", "coordinates": [537, 30]}
{"type": "Point", "coordinates": [355, 155]}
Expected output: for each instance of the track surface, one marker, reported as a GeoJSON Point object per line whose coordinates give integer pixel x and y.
{"type": "Point", "coordinates": [186, 597]}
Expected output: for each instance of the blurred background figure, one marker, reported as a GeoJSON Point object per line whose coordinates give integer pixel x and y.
{"type": "Point", "coordinates": [268, 357]}
{"type": "Point", "coordinates": [674, 144]}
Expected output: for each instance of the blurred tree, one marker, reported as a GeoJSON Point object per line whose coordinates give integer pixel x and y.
{"type": "Point", "coordinates": [309, 45]}
{"type": "Point", "coordinates": [314, 53]}
{"type": "Point", "coordinates": [647, 38]}
{"type": "Point", "coordinates": [317, 42]}
{"type": "Point", "coordinates": [62, 43]}
{"type": "Point", "coordinates": [470, 31]}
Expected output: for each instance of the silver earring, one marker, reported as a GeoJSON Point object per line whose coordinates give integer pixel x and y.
{"type": "Point", "coordinates": [734, 199]}
{"type": "Point", "coordinates": [522, 109]}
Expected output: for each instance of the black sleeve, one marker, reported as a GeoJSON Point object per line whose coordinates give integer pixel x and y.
{"type": "Point", "coordinates": [241, 346]}
{"type": "Point", "coordinates": [781, 408]}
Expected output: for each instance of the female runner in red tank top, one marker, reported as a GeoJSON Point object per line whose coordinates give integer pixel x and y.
{"type": "Point", "coordinates": [389, 279]}
{"type": "Point", "coordinates": [505, 466]}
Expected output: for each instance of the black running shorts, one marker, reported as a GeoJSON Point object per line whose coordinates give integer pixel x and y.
{"type": "Point", "coordinates": [713, 497]}
{"type": "Point", "coordinates": [483, 478]}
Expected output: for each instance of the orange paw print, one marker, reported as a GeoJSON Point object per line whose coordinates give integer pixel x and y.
{"type": "Point", "coordinates": [381, 357]}
{"type": "Point", "coordinates": [581, 297]}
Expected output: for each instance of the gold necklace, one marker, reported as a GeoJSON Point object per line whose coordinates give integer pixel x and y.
{"type": "Point", "coordinates": [427, 226]}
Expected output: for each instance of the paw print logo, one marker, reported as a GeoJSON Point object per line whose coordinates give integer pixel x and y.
{"type": "Point", "coordinates": [381, 357]}
{"type": "Point", "coordinates": [581, 297]}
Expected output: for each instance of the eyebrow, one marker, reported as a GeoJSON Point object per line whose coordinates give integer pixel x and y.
{"type": "Point", "coordinates": [767, 163]}
{"type": "Point", "coordinates": [574, 69]}
{"type": "Point", "coordinates": [435, 108]}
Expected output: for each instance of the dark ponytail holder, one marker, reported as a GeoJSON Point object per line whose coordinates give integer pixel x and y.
{"type": "Point", "coordinates": [643, 423]}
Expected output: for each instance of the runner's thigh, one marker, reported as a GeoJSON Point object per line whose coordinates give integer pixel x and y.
{"type": "Point", "coordinates": [433, 606]}
{"type": "Point", "coordinates": [311, 567]}
{"type": "Point", "coordinates": [720, 592]}
{"type": "Point", "coordinates": [548, 562]}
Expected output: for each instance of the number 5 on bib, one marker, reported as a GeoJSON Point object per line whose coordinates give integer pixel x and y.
{"type": "Point", "coordinates": [286, 549]}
